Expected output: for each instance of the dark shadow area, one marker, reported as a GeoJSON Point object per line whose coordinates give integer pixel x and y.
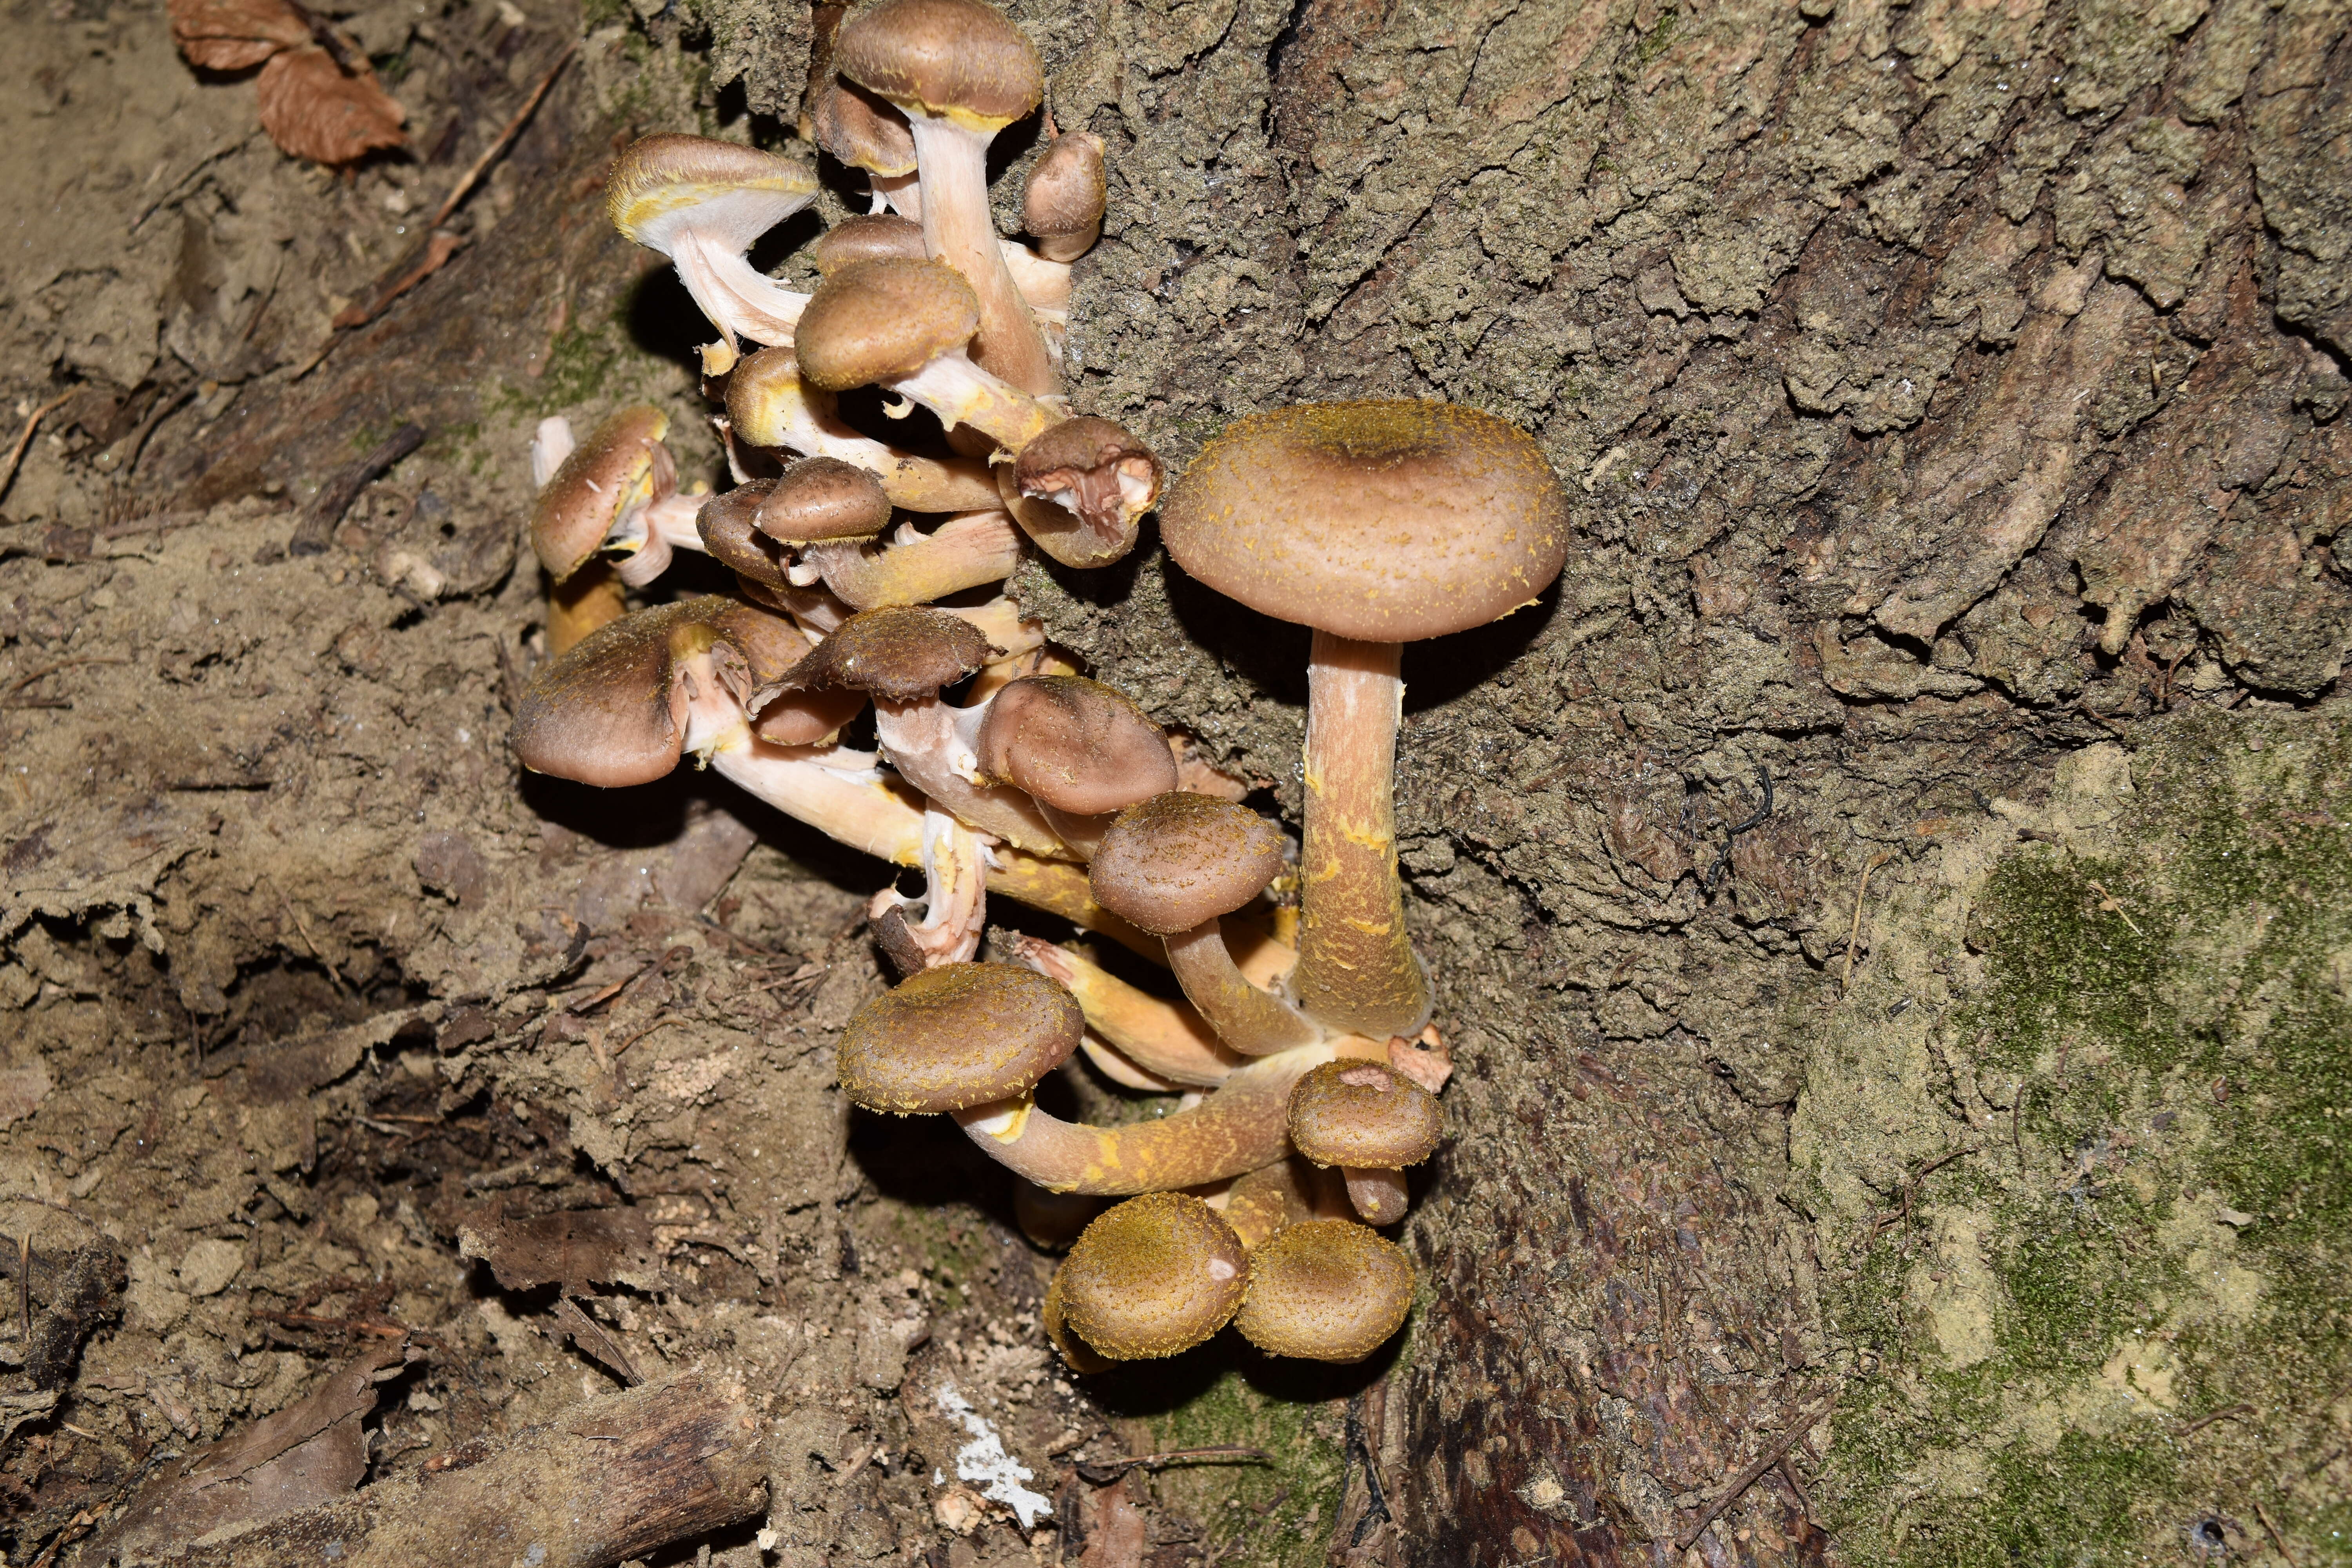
{"type": "Point", "coordinates": [1157, 1388]}
{"type": "Point", "coordinates": [663, 319]}
{"type": "Point", "coordinates": [788, 238]}
{"type": "Point", "coordinates": [929, 1161]}
{"type": "Point", "coordinates": [1271, 654]}
{"type": "Point", "coordinates": [1440, 670]}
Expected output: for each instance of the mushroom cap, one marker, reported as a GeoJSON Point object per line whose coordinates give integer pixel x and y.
{"type": "Point", "coordinates": [1326, 1289]}
{"type": "Point", "coordinates": [957, 1035]}
{"type": "Point", "coordinates": [1383, 522]}
{"type": "Point", "coordinates": [944, 59]}
{"type": "Point", "coordinates": [1152, 1277]}
{"type": "Point", "coordinates": [765, 396]}
{"type": "Point", "coordinates": [874, 321]}
{"type": "Point", "coordinates": [1364, 1115]}
{"type": "Point", "coordinates": [669, 181]}
{"type": "Point", "coordinates": [622, 464]}
{"type": "Point", "coordinates": [1075, 744]}
{"type": "Point", "coordinates": [1096, 467]}
{"type": "Point", "coordinates": [1179, 859]}
{"type": "Point", "coordinates": [824, 498]}
{"type": "Point", "coordinates": [609, 710]}
{"type": "Point", "coordinates": [901, 653]}
{"type": "Point", "coordinates": [1067, 190]}
{"type": "Point", "coordinates": [862, 130]}
{"type": "Point", "coordinates": [731, 537]}
{"type": "Point", "coordinates": [867, 236]}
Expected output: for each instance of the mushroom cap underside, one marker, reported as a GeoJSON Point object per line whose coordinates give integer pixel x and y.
{"type": "Point", "coordinates": [669, 181]}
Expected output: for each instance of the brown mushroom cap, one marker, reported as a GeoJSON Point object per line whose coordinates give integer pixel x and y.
{"type": "Point", "coordinates": [1152, 1277]}
{"type": "Point", "coordinates": [608, 711]}
{"type": "Point", "coordinates": [736, 194]}
{"type": "Point", "coordinates": [824, 498]}
{"type": "Point", "coordinates": [1364, 1115]}
{"type": "Point", "coordinates": [732, 538]}
{"type": "Point", "coordinates": [1066, 190]}
{"type": "Point", "coordinates": [1076, 745]}
{"type": "Point", "coordinates": [867, 236]}
{"type": "Point", "coordinates": [957, 1035]}
{"type": "Point", "coordinates": [1382, 521]}
{"type": "Point", "coordinates": [1106, 474]}
{"type": "Point", "coordinates": [947, 60]}
{"type": "Point", "coordinates": [1179, 859]}
{"type": "Point", "coordinates": [1326, 1289]}
{"type": "Point", "coordinates": [873, 321]}
{"type": "Point", "coordinates": [901, 653]}
{"type": "Point", "coordinates": [622, 463]}
{"type": "Point", "coordinates": [861, 129]}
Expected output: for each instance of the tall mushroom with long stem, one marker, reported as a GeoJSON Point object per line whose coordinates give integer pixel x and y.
{"type": "Point", "coordinates": [702, 203]}
{"type": "Point", "coordinates": [959, 72]}
{"type": "Point", "coordinates": [1377, 524]}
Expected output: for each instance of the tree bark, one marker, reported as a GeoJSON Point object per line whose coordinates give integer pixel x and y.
{"type": "Point", "coordinates": [1943, 390]}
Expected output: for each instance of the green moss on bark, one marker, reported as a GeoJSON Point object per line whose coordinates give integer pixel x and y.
{"type": "Point", "coordinates": [2139, 1088]}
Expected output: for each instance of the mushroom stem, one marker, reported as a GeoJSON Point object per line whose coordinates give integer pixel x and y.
{"type": "Point", "coordinates": [1356, 963]}
{"type": "Point", "coordinates": [589, 598]}
{"type": "Point", "coordinates": [767, 406]}
{"type": "Point", "coordinates": [1165, 1038]}
{"type": "Point", "coordinates": [1238, 1128]}
{"type": "Point", "coordinates": [931, 743]}
{"type": "Point", "coordinates": [655, 530]}
{"type": "Point", "coordinates": [958, 230]}
{"type": "Point", "coordinates": [962, 393]}
{"type": "Point", "coordinates": [955, 899]}
{"type": "Point", "coordinates": [965, 552]}
{"type": "Point", "coordinates": [1245, 1017]}
{"type": "Point", "coordinates": [902, 193]}
{"type": "Point", "coordinates": [1266, 1200]}
{"type": "Point", "coordinates": [1042, 282]}
{"type": "Point", "coordinates": [840, 794]}
{"type": "Point", "coordinates": [1379, 1196]}
{"type": "Point", "coordinates": [1121, 1069]}
{"type": "Point", "coordinates": [738, 297]}
{"type": "Point", "coordinates": [1060, 887]}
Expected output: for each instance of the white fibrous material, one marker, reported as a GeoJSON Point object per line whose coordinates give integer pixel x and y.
{"type": "Point", "coordinates": [983, 1462]}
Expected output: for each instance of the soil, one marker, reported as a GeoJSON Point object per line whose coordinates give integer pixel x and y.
{"type": "Point", "coordinates": [1890, 904]}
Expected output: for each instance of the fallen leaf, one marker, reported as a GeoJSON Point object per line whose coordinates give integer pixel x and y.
{"type": "Point", "coordinates": [312, 110]}
{"type": "Point", "coordinates": [233, 34]}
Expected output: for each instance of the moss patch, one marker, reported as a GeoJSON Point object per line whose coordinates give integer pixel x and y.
{"type": "Point", "coordinates": [1278, 1515]}
{"type": "Point", "coordinates": [2101, 1192]}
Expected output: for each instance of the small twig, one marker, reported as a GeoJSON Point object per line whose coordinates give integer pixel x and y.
{"type": "Point", "coordinates": [70, 1533]}
{"type": "Point", "coordinates": [163, 409]}
{"type": "Point", "coordinates": [25, 1285]}
{"type": "Point", "coordinates": [2226, 1412]}
{"type": "Point", "coordinates": [343, 486]}
{"type": "Point", "coordinates": [641, 1034]}
{"type": "Point", "coordinates": [2110, 904]}
{"type": "Point", "coordinates": [1102, 1472]}
{"type": "Point", "coordinates": [1788, 1474]}
{"type": "Point", "coordinates": [48, 669]}
{"type": "Point", "coordinates": [497, 149]}
{"type": "Point", "coordinates": [308, 940]}
{"type": "Point", "coordinates": [1911, 1188]}
{"type": "Point", "coordinates": [1853, 932]}
{"type": "Point", "coordinates": [24, 438]}
{"type": "Point", "coordinates": [1748, 1476]}
{"type": "Point", "coordinates": [1731, 835]}
{"type": "Point", "coordinates": [2277, 1539]}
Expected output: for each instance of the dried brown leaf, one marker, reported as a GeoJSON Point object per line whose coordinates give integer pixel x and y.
{"type": "Point", "coordinates": [233, 34]}
{"type": "Point", "coordinates": [312, 110]}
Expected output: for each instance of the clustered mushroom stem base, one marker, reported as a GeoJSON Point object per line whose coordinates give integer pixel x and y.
{"type": "Point", "coordinates": [958, 230]}
{"type": "Point", "coordinates": [860, 808]}
{"type": "Point", "coordinates": [1356, 964]}
{"type": "Point", "coordinates": [1245, 1017]}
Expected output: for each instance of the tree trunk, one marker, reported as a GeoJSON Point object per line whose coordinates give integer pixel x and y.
{"type": "Point", "coordinates": [1887, 904]}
